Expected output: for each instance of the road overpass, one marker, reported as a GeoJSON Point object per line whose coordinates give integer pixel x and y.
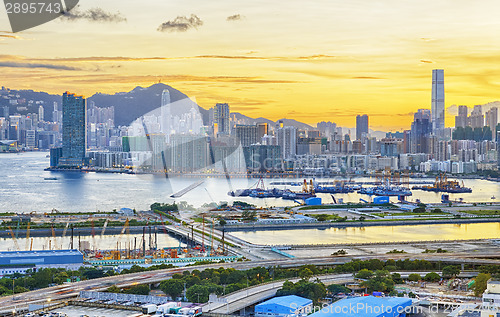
{"type": "Point", "coordinates": [239, 300]}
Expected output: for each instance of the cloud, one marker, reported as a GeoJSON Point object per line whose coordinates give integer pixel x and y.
{"type": "Point", "coordinates": [181, 24]}
{"type": "Point", "coordinates": [234, 17]}
{"type": "Point", "coordinates": [8, 36]}
{"type": "Point", "coordinates": [34, 65]}
{"type": "Point", "coordinates": [93, 15]}
{"type": "Point", "coordinates": [366, 77]}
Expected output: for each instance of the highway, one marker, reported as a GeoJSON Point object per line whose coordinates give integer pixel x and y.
{"type": "Point", "coordinates": [71, 290]}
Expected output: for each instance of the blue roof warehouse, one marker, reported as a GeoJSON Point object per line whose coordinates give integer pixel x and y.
{"type": "Point", "coordinates": [367, 306]}
{"type": "Point", "coordinates": [284, 306]}
{"type": "Point", "coordinates": [20, 261]}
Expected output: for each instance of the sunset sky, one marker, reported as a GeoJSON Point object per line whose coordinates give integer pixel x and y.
{"type": "Point", "coordinates": [305, 60]}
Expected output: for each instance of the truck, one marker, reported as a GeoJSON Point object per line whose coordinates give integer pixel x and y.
{"type": "Point", "coordinates": [165, 308]}
{"type": "Point", "coordinates": [148, 308]}
{"type": "Point", "coordinates": [195, 311]}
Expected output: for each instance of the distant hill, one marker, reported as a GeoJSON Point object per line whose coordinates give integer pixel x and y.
{"type": "Point", "coordinates": [139, 101]}
{"type": "Point", "coordinates": [242, 119]}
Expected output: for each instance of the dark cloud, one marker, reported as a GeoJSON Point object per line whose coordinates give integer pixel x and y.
{"type": "Point", "coordinates": [234, 17]}
{"type": "Point", "coordinates": [93, 15]}
{"type": "Point", "coordinates": [32, 65]}
{"type": "Point", "coordinates": [181, 24]}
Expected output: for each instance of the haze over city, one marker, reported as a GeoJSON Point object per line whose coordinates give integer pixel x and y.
{"type": "Point", "coordinates": [310, 63]}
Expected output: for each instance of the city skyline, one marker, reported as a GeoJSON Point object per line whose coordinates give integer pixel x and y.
{"type": "Point", "coordinates": [260, 66]}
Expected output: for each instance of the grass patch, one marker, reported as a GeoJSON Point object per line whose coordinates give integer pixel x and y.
{"type": "Point", "coordinates": [482, 212]}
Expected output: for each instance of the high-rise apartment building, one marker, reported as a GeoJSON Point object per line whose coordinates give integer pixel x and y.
{"type": "Point", "coordinates": [361, 126]}
{"type": "Point", "coordinates": [287, 139]}
{"type": "Point", "coordinates": [437, 105]}
{"type": "Point", "coordinates": [461, 119]}
{"type": "Point", "coordinates": [476, 118]}
{"type": "Point", "coordinates": [247, 134]}
{"type": "Point", "coordinates": [74, 130]}
{"type": "Point", "coordinates": [492, 120]}
{"type": "Point", "coordinates": [221, 119]}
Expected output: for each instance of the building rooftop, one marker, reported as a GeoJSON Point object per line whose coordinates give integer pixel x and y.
{"type": "Point", "coordinates": [68, 252]}
{"type": "Point", "coordinates": [288, 301]}
{"type": "Point", "coordinates": [366, 306]}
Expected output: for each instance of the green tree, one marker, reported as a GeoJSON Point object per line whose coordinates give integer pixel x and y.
{"type": "Point", "coordinates": [113, 289]}
{"type": "Point", "coordinates": [305, 273]}
{"type": "Point", "coordinates": [172, 287]}
{"type": "Point", "coordinates": [414, 277]}
{"type": "Point", "coordinates": [481, 283]}
{"type": "Point", "coordinates": [138, 290]}
{"type": "Point", "coordinates": [336, 289]}
{"type": "Point", "coordinates": [450, 271]}
{"type": "Point", "coordinates": [432, 277]}
{"type": "Point", "coordinates": [364, 274]}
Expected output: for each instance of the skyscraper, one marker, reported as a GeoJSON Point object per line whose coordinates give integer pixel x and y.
{"type": "Point", "coordinates": [421, 127]}
{"type": "Point", "coordinates": [437, 105]}
{"type": "Point", "coordinates": [361, 126]}
{"type": "Point", "coordinates": [74, 130]}
{"type": "Point", "coordinates": [287, 139]}
{"type": "Point", "coordinates": [221, 119]}
{"type": "Point", "coordinates": [165, 112]}
{"type": "Point", "coordinates": [41, 116]}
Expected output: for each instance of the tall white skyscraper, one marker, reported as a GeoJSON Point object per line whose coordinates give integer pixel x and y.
{"type": "Point", "coordinates": [165, 112]}
{"type": "Point", "coordinates": [437, 106]}
{"type": "Point", "coordinates": [41, 116]}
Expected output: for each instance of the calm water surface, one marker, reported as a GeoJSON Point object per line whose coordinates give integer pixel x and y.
{"type": "Point", "coordinates": [23, 189]}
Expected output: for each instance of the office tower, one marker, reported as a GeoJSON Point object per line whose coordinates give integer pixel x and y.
{"type": "Point", "coordinates": [476, 118]}
{"type": "Point", "coordinates": [41, 116]}
{"type": "Point", "coordinates": [461, 119]}
{"type": "Point", "coordinates": [361, 126]}
{"type": "Point", "coordinates": [247, 134]}
{"type": "Point", "coordinates": [74, 130]}
{"type": "Point", "coordinates": [262, 129]}
{"type": "Point", "coordinates": [421, 128]}
{"type": "Point", "coordinates": [221, 119]}
{"type": "Point", "coordinates": [165, 112]}
{"type": "Point", "coordinates": [492, 120]}
{"type": "Point", "coordinates": [287, 139]}
{"type": "Point", "coordinates": [437, 105]}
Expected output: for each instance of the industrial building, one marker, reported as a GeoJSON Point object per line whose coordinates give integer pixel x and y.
{"type": "Point", "coordinates": [284, 306]}
{"type": "Point", "coordinates": [20, 261]}
{"type": "Point", "coordinates": [367, 306]}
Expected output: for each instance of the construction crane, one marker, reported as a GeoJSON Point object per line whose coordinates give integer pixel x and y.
{"type": "Point", "coordinates": [125, 228]}
{"type": "Point", "coordinates": [14, 238]}
{"type": "Point", "coordinates": [28, 236]}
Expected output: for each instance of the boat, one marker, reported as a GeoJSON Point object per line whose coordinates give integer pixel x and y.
{"type": "Point", "coordinates": [442, 184]}
{"type": "Point", "coordinates": [385, 191]}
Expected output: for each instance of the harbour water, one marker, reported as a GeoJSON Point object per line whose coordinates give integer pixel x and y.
{"type": "Point", "coordinates": [26, 187]}
{"type": "Point", "coordinates": [98, 242]}
{"type": "Point", "coordinates": [373, 234]}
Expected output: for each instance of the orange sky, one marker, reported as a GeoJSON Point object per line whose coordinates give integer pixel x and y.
{"type": "Point", "coordinates": [305, 60]}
